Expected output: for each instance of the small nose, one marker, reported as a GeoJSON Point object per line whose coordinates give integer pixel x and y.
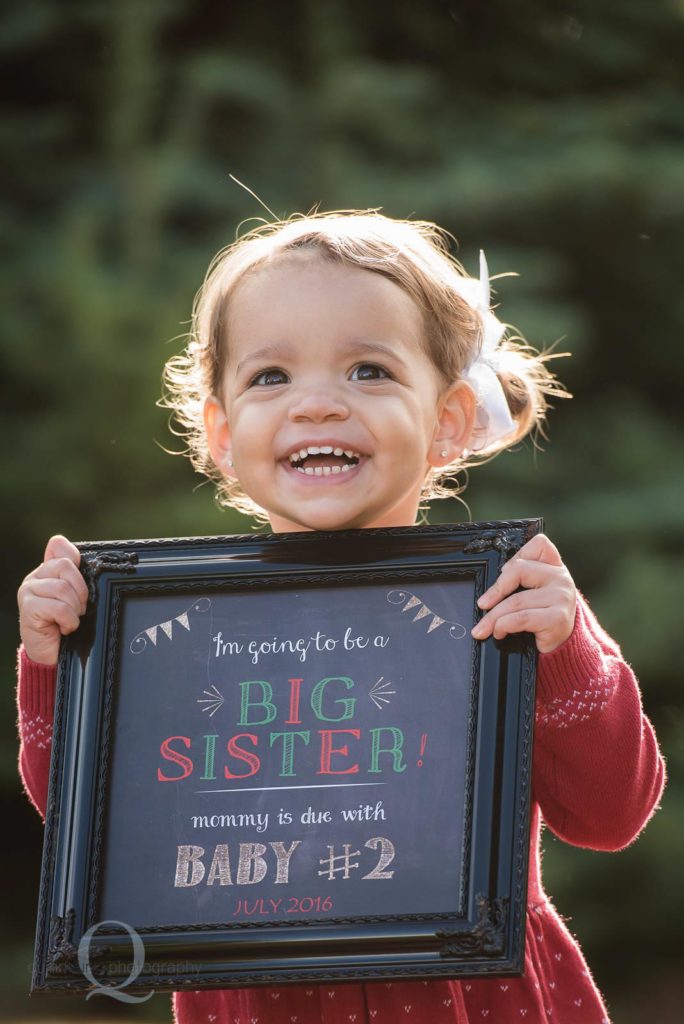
{"type": "Point", "coordinates": [318, 404]}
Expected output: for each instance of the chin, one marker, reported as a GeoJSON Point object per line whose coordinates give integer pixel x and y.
{"type": "Point", "coordinates": [321, 522]}
{"type": "Point", "coordinates": [325, 519]}
{"type": "Point", "coordinates": [325, 524]}
{"type": "Point", "coordinates": [363, 522]}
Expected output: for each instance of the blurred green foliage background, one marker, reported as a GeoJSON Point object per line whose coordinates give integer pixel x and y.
{"type": "Point", "coordinates": [549, 133]}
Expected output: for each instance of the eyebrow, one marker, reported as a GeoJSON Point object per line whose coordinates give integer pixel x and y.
{"type": "Point", "coordinates": [276, 350]}
{"type": "Point", "coordinates": [281, 350]}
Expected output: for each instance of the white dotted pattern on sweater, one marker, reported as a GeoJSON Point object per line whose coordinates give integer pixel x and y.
{"type": "Point", "coordinates": [523, 1011]}
{"type": "Point", "coordinates": [578, 707]}
{"type": "Point", "coordinates": [502, 992]}
{"type": "Point", "coordinates": [36, 730]}
{"type": "Point", "coordinates": [408, 1008]}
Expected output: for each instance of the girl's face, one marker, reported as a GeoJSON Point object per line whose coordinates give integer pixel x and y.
{"type": "Point", "coordinates": [331, 411]}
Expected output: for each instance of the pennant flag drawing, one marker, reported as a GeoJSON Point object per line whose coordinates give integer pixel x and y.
{"type": "Point", "coordinates": [411, 602]}
{"type": "Point", "coordinates": [151, 633]}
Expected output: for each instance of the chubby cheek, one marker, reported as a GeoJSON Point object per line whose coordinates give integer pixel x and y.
{"type": "Point", "coordinates": [251, 436]}
{"type": "Point", "coordinates": [252, 465]}
{"type": "Point", "coordinates": [250, 447]}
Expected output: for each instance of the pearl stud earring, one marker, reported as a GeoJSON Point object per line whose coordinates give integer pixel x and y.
{"type": "Point", "coordinates": [444, 454]}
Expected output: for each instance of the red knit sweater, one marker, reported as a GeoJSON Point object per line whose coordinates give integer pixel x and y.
{"type": "Point", "coordinates": [597, 778]}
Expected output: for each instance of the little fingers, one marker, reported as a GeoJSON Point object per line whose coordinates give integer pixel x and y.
{"type": "Point", "coordinates": [539, 621]}
{"type": "Point", "coordinates": [41, 614]}
{"type": "Point", "coordinates": [36, 590]}
{"type": "Point", "coordinates": [548, 628]}
{"type": "Point", "coordinates": [525, 620]}
{"type": "Point", "coordinates": [62, 569]}
{"type": "Point", "coordinates": [519, 602]}
{"type": "Point", "coordinates": [519, 573]}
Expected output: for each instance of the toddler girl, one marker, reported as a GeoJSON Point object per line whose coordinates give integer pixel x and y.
{"type": "Point", "coordinates": [339, 366]}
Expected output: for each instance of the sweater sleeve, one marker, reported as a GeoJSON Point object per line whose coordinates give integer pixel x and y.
{"type": "Point", "coordinates": [598, 772]}
{"type": "Point", "coordinates": [36, 705]}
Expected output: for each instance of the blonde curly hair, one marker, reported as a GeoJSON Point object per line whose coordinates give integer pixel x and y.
{"type": "Point", "coordinates": [415, 255]}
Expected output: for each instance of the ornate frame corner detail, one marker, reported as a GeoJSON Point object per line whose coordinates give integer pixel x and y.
{"type": "Point", "coordinates": [94, 563]}
{"type": "Point", "coordinates": [487, 938]}
{"type": "Point", "coordinates": [62, 955]}
{"type": "Point", "coordinates": [505, 541]}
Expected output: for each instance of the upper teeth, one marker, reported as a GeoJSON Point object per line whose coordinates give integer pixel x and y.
{"type": "Point", "coordinates": [326, 449]}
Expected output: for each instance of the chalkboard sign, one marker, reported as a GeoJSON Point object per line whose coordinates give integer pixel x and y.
{"type": "Point", "coordinates": [285, 758]}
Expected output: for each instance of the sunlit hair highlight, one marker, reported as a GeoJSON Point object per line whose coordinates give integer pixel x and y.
{"type": "Point", "coordinates": [416, 256]}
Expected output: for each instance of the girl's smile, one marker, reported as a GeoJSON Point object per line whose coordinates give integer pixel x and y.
{"type": "Point", "coordinates": [324, 459]}
{"type": "Point", "coordinates": [331, 412]}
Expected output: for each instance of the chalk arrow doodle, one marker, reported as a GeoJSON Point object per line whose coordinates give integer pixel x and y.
{"type": "Point", "coordinates": [213, 700]}
{"type": "Point", "coordinates": [379, 693]}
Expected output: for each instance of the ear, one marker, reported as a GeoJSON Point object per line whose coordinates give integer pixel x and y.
{"type": "Point", "coordinates": [455, 422]}
{"type": "Point", "coordinates": [217, 432]}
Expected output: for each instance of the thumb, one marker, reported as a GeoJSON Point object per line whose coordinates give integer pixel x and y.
{"type": "Point", "coordinates": [59, 547]}
{"type": "Point", "coordinates": [539, 549]}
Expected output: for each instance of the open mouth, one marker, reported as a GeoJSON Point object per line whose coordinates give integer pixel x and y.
{"type": "Point", "coordinates": [323, 460]}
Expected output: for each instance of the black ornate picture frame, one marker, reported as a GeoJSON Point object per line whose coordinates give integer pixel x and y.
{"type": "Point", "coordinates": [283, 759]}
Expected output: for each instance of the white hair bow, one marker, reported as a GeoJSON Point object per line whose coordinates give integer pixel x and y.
{"type": "Point", "coordinates": [493, 420]}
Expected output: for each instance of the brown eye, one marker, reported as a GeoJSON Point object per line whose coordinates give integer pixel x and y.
{"type": "Point", "coordinates": [369, 371]}
{"type": "Point", "coordinates": [269, 378]}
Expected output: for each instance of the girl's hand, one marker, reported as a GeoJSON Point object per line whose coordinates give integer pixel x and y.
{"type": "Point", "coordinates": [51, 600]}
{"type": "Point", "coordinates": [546, 607]}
